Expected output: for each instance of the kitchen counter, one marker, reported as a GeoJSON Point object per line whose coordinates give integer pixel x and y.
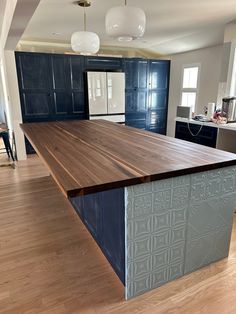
{"type": "Point", "coordinates": [91, 156]}
{"type": "Point", "coordinates": [158, 207]}
{"type": "Point", "coordinates": [224, 133]}
{"type": "Point", "coordinates": [227, 126]}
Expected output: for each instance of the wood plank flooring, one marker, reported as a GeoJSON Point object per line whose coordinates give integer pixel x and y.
{"type": "Point", "coordinates": [49, 263]}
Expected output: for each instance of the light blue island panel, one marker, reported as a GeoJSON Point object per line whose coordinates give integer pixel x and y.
{"type": "Point", "coordinates": [176, 226]}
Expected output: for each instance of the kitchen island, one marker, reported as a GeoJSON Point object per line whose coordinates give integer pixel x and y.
{"type": "Point", "coordinates": [158, 207]}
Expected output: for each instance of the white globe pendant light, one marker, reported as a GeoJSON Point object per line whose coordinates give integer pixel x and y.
{"type": "Point", "coordinates": [84, 42]}
{"type": "Point", "coordinates": [125, 23]}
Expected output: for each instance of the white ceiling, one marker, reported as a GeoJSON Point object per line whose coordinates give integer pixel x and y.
{"type": "Point", "coordinates": [172, 25]}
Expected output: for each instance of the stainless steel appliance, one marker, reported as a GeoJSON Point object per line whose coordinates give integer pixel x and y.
{"type": "Point", "coordinates": [106, 95]}
{"type": "Point", "coordinates": [229, 108]}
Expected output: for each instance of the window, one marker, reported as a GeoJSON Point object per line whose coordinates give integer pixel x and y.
{"type": "Point", "coordinates": [190, 86]}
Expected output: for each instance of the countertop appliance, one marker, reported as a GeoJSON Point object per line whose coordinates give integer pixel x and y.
{"type": "Point", "coordinates": [229, 108]}
{"type": "Point", "coordinates": [106, 95]}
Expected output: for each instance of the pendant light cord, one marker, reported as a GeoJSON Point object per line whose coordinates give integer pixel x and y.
{"type": "Point", "coordinates": [85, 26]}
{"type": "Point", "coordinates": [125, 2]}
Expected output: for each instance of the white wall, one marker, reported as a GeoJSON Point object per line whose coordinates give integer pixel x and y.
{"type": "Point", "coordinates": [15, 15]}
{"type": "Point", "coordinates": [2, 102]}
{"type": "Point", "coordinates": [210, 62]}
{"type": "Point", "coordinates": [14, 103]}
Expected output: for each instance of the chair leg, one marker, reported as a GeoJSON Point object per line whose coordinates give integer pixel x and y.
{"type": "Point", "coordinates": [7, 144]}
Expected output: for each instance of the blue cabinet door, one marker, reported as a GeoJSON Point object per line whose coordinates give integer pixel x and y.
{"type": "Point", "coordinates": [158, 95]}
{"type": "Point", "coordinates": [104, 215]}
{"type": "Point", "coordinates": [59, 87]}
{"type": "Point", "coordinates": [34, 86]}
{"type": "Point", "coordinates": [136, 91]}
{"type": "Point", "coordinates": [103, 64]}
{"type": "Point", "coordinates": [207, 135]}
{"type": "Point", "coordinates": [77, 86]}
{"type": "Point", "coordinates": [92, 214]}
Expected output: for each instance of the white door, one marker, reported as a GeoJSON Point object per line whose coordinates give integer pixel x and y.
{"type": "Point", "coordinates": [116, 92]}
{"type": "Point", "coordinates": [97, 92]}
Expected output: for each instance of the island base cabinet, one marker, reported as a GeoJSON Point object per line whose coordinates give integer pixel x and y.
{"type": "Point", "coordinates": [203, 135]}
{"type": "Point", "coordinates": [103, 214]}
{"type": "Point", "coordinates": [155, 232]}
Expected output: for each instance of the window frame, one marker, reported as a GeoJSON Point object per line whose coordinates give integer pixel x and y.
{"type": "Point", "coordinates": [190, 90]}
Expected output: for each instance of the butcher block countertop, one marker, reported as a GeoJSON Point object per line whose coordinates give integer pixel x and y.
{"type": "Point", "coordinates": [91, 156]}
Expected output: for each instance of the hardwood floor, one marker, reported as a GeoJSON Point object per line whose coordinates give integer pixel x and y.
{"type": "Point", "coordinates": [49, 263]}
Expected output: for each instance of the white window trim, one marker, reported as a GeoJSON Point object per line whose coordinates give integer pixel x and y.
{"type": "Point", "coordinates": [191, 90]}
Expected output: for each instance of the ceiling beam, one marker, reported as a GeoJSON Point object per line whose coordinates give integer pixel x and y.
{"type": "Point", "coordinates": [24, 10]}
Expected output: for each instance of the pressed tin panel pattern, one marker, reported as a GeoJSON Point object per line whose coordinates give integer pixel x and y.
{"type": "Point", "coordinates": [177, 225]}
{"type": "Point", "coordinates": [212, 199]}
{"type": "Point", "coordinates": [156, 217]}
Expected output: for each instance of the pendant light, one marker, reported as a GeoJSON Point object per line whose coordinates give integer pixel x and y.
{"type": "Point", "coordinates": [125, 23]}
{"type": "Point", "coordinates": [84, 42]}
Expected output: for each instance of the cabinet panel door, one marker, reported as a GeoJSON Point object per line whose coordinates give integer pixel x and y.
{"type": "Point", "coordinates": [131, 73]}
{"type": "Point", "coordinates": [33, 71]}
{"type": "Point", "coordinates": [141, 99]}
{"type": "Point", "coordinates": [130, 101]}
{"type": "Point", "coordinates": [136, 120]}
{"type": "Point", "coordinates": [158, 99]}
{"type": "Point", "coordinates": [103, 63]}
{"type": "Point", "coordinates": [206, 137]}
{"type": "Point", "coordinates": [78, 104]}
{"type": "Point", "coordinates": [158, 95]}
{"type": "Point", "coordinates": [113, 227]}
{"type": "Point", "coordinates": [36, 105]}
{"type": "Point", "coordinates": [142, 73]}
{"type": "Point", "coordinates": [157, 121]}
{"type": "Point", "coordinates": [159, 74]}
{"type": "Point", "coordinates": [77, 72]}
{"type": "Point", "coordinates": [59, 66]}
{"type": "Point", "coordinates": [91, 214]}
{"type": "Point", "coordinates": [136, 73]}
{"type": "Point", "coordinates": [61, 104]}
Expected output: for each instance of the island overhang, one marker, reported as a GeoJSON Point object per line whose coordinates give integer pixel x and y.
{"type": "Point", "coordinates": [93, 156]}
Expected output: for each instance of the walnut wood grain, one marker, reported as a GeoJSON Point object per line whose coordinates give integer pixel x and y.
{"type": "Point", "coordinates": [90, 156]}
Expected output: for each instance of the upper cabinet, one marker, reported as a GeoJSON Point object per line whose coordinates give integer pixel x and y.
{"type": "Point", "coordinates": [33, 71]}
{"type": "Point", "coordinates": [103, 64]}
{"type": "Point", "coordinates": [136, 73]}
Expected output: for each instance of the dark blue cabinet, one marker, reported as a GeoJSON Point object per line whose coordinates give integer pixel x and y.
{"type": "Point", "coordinates": [147, 89]}
{"type": "Point", "coordinates": [104, 216]}
{"type": "Point", "coordinates": [52, 87]}
{"type": "Point", "coordinates": [205, 135]}
{"type": "Point", "coordinates": [158, 95]}
{"type": "Point", "coordinates": [136, 92]}
{"type": "Point", "coordinates": [104, 64]}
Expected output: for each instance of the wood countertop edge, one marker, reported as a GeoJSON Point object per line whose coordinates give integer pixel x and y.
{"type": "Point", "coordinates": [147, 179]}
{"type": "Point", "coordinates": [65, 193]}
